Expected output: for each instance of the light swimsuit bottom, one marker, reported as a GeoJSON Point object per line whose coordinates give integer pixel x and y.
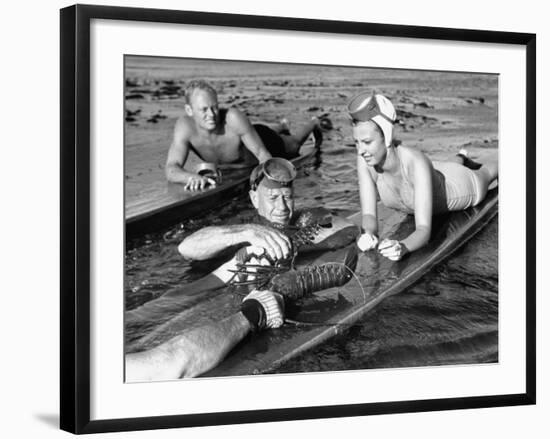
{"type": "Point", "coordinates": [455, 187]}
{"type": "Point", "coordinates": [463, 187]}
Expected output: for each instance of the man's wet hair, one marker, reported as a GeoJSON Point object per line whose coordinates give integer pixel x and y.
{"type": "Point", "coordinates": [198, 84]}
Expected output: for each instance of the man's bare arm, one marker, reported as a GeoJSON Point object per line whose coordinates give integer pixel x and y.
{"type": "Point", "coordinates": [239, 123]}
{"type": "Point", "coordinates": [209, 242]}
{"type": "Point", "coordinates": [177, 156]}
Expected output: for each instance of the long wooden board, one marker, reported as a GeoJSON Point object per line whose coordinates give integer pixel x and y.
{"type": "Point", "coordinates": [161, 204]}
{"type": "Point", "coordinates": [331, 311]}
{"type": "Point", "coordinates": [336, 309]}
{"type": "Point", "coordinates": [209, 299]}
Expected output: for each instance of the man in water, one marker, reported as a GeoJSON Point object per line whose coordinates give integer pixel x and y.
{"type": "Point", "coordinates": [224, 136]}
{"type": "Point", "coordinates": [267, 240]}
{"type": "Point", "coordinates": [198, 350]}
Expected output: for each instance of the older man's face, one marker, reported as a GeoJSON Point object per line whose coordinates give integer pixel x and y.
{"type": "Point", "coordinates": [274, 204]}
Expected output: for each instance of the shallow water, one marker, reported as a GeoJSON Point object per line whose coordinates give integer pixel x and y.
{"type": "Point", "coordinates": [449, 317]}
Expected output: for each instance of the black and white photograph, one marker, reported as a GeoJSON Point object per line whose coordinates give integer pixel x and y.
{"type": "Point", "coordinates": [287, 218]}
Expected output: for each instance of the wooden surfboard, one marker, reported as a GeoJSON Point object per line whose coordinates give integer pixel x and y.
{"type": "Point", "coordinates": [209, 299]}
{"type": "Point", "coordinates": [161, 204]}
{"type": "Point", "coordinates": [334, 310]}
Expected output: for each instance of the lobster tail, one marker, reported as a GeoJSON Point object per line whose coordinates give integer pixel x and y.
{"type": "Point", "coordinates": [295, 284]}
{"type": "Point", "coordinates": [323, 232]}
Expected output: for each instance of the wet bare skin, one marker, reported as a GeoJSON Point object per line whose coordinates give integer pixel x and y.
{"type": "Point", "coordinates": [222, 145]}
{"type": "Point", "coordinates": [218, 136]}
{"type": "Point", "coordinates": [375, 159]}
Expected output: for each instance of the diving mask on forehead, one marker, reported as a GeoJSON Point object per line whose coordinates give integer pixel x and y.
{"type": "Point", "coordinates": [365, 106]}
{"type": "Point", "coordinates": [370, 106]}
{"type": "Point", "coordinates": [275, 172]}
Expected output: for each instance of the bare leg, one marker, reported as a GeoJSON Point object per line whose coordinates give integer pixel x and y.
{"type": "Point", "coordinates": [486, 171]}
{"type": "Point", "coordinates": [488, 166]}
{"type": "Point", "coordinates": [463, 159]}
{"type": "Point", "coordinates": [303, 133]}
{"type": "Point", "coordinates": [488, 174]}
{"type": "Point", "coordinates": [490, 169]}
{"type": "Point", "coordinates": [456, 159]}
{"type": "Point", "coordinates": [294, 141]}
{"type": "Point", "coordinates": [283, 127]}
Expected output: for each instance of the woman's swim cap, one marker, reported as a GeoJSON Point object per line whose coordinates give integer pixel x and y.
{"type": "Point", "coordinates": [370, 106]}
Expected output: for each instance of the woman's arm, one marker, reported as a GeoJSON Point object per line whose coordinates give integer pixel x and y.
{"type": "Point", "coordinates": [423, 203]}
{"type": "Point", "coordinates": [420, 168]}
{"type": "Point", "coordinates": [367, 196]}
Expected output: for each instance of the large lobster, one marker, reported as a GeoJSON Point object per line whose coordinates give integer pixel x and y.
{"type": "Point", "coordinates": [283, 277]}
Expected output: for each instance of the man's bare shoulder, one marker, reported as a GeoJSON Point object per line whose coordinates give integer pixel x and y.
{"type": "Point", "coordinates": [185, 126]}
{"type": "Point", "coordinates": [236, 121]}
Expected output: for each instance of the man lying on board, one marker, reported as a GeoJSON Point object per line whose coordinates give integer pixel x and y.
{"type": "Point", "coordinates": [198, 350]}
{"type": "Point", "coordinates": [225, 136]}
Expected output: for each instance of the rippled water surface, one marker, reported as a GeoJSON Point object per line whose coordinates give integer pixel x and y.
{"type": "Point", "coordinates": [449, 317]}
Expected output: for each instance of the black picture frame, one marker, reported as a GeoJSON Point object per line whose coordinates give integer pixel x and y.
{"type": "Point", "coordinates": [75, 217]}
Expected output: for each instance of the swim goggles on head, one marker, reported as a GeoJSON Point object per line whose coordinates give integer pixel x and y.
{"type": "Point", "coordinates": [364, 107]}
{"type": "Point", "coordinates": [271, 171]}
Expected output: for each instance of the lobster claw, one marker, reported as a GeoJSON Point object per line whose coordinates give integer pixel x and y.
{"type": "Point", "coordinates": [243, 255]}
{"type": "Point", "coordinates": [255, 274]}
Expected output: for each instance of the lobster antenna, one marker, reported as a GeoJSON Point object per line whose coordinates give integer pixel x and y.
{"type": "Point", "coordinates": [356, 278]}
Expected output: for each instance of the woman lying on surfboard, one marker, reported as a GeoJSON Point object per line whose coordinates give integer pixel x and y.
{"type": "Point", "coordinates": [406, 179]}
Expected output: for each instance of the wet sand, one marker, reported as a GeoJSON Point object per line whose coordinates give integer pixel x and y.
{"type": "Point", "coordinates": [439, 112]}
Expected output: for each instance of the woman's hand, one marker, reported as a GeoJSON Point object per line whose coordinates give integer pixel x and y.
{"type": "Point", "coordinates": [367, 242]}
{"type": "Point", "coordinates": [392, 249]}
